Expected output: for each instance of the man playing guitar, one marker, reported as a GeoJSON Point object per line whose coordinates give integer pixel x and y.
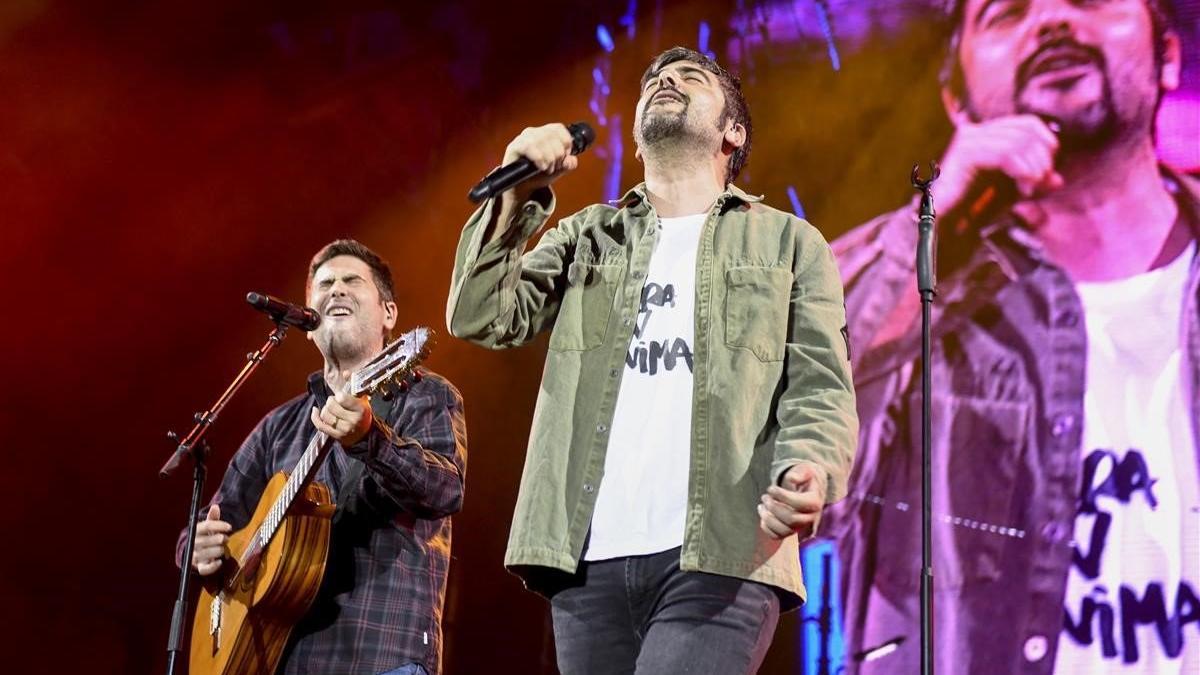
{"type": "Point", "coordinates": [395, 474]}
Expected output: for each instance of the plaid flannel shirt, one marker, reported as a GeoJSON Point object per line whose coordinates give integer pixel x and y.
{"type": "Point", "coordinates": [380, 603]}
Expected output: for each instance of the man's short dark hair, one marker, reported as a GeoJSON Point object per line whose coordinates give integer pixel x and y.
{"type": "Point", "coordinates": [380, 270]}
{"type": "Point", "coordinates": [1162, 17]}
{"type": "Point", "coordinates": [735, 102]}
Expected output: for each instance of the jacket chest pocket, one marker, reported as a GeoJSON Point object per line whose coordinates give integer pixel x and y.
{"type": "Point", "coordinates": [757, 302]}
{"type": "Point", "coordinates": [978, 447]}
{"type": "Point", "coordinates": [587, 302]}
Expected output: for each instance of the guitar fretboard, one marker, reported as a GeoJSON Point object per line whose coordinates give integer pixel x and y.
{"type": "Point", "coordinates": [306, 467]}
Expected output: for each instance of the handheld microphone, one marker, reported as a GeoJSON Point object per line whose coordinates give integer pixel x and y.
{"type": "Point", "coordinates": [522, 169]}
{"type": "Point", "coordinates": [1003, 193]}
{"type": "Point", "coordinates": [304, 318]}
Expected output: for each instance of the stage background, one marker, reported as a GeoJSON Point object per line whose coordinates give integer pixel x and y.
{"type": "Point", "coordinates": [159, 160]}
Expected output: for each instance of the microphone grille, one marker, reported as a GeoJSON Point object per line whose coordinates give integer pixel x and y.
{"type": "Point", "coordinates": [582, 137]}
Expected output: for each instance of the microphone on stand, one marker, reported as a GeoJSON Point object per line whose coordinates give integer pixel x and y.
{"type": "Point", "coordinates": [522, 169]}
{"type": "Point", "coordinates": [305, 318]}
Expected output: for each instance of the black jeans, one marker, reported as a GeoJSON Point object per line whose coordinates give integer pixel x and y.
{"type": "Point", "coordinates": [643, 615]}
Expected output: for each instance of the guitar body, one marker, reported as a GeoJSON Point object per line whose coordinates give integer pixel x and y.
{"type": "Point", "coordinates": [242, 627]}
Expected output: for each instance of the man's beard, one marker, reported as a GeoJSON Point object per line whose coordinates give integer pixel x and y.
{"type": "Point", "coordinates": [672, 133]}
{"type": "Point", "coordinates": [659, 127]}
{"type": "Point", "coordinates": [342, 346]}
{"type": "Point", "coordinates": [1090, 126]}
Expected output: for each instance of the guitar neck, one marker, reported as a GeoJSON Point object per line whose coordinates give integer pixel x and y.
{"type": "Point", "coordinates": [306, 469]}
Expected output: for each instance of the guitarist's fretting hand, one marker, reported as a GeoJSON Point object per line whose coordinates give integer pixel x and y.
{"type": "Point", "coordinates": [344, 418]}
{"type": "Point", "coordinates": [211, 535]}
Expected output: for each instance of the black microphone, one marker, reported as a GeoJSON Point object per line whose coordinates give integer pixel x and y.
{"type": "Point", "coordinates": [1002, 193]}
{"type": "Point", "coordinates": [510, 174]}
{"type": "Point", "coordinates": [304, 318]}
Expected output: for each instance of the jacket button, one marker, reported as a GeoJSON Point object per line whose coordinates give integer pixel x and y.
{"type": "Point", "coordinates": [587, 487]}
{"type": "Point", "coordinates": [1067, 319]}
{"type": "Point", "coordinates": [1062, 425]}
{"type": "Point", "coordinates": [638, 275]}
{"type": "Point", "coordinates": [1035, 648]}
{"type": "Point", "coordinates": [601, 428]}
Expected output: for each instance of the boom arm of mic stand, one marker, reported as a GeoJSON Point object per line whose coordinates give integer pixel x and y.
{"type": "Point", "coordinates": [204, 420]}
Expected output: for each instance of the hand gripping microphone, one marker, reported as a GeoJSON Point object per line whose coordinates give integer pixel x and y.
{"type": "Point", "coordinates": [510, 174]}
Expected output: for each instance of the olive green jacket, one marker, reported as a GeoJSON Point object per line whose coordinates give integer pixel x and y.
{"type": "Point", "coordinates": [772, 384]}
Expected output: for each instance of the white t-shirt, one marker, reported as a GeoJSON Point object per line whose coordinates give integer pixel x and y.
{"type": "Point", "coordinates": [1137, 531]}
{"type": "Point", "coordinates": [642, 502]}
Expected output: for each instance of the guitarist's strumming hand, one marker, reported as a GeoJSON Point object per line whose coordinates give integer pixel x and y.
{"type": "Point", "coordinates": [211, 535]}
{"type": "Point", "coordinates": [344, 418]}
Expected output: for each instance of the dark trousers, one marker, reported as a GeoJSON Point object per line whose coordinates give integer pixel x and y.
{"type": "Point", "coordinates": [643, 615]}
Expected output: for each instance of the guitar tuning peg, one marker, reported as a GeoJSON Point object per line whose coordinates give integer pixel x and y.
{"type": "Point", "coordinates": [403, 385]}
{"type": "Point", "coordinates": [172, 436]}
{"type": "Point", "coordinates": [385, 390]}
{"type": "Point", "coordinates": [417, 375]}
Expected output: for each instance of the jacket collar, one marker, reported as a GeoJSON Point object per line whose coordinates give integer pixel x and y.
{"type": "Point", "coordinates": [1009, 243]}
{"type": "Point", "coordinates": [317, 387]}
{"type": "Point", "coordinates": [637, 195]}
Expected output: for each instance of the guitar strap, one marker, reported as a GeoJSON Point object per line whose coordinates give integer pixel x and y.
{"type": "Point", "coordinates": [381, 409]}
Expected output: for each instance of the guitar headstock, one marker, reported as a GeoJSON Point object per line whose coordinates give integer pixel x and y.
{"type": "Point", "coordinates": [390, 370]}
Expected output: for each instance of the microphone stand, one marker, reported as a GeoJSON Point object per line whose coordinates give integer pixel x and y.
{"type": "Point", "coordinates": [824, 617]}
{"type": "Point", "coordinates": [927, 287]}
{"type": "Point", "coordinates": [194, 446]}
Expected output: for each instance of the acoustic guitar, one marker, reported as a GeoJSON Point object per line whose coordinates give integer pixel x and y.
{"type": "Point", "coordinates": [278, 559]}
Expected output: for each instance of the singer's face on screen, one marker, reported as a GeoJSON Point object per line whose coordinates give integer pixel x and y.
{"type": "Point", "coordinates": [354, 317]}
{"type": "Point", "coordinates": [1090, 64]}
{"type": "Point", "coordinates": [682, 103]}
